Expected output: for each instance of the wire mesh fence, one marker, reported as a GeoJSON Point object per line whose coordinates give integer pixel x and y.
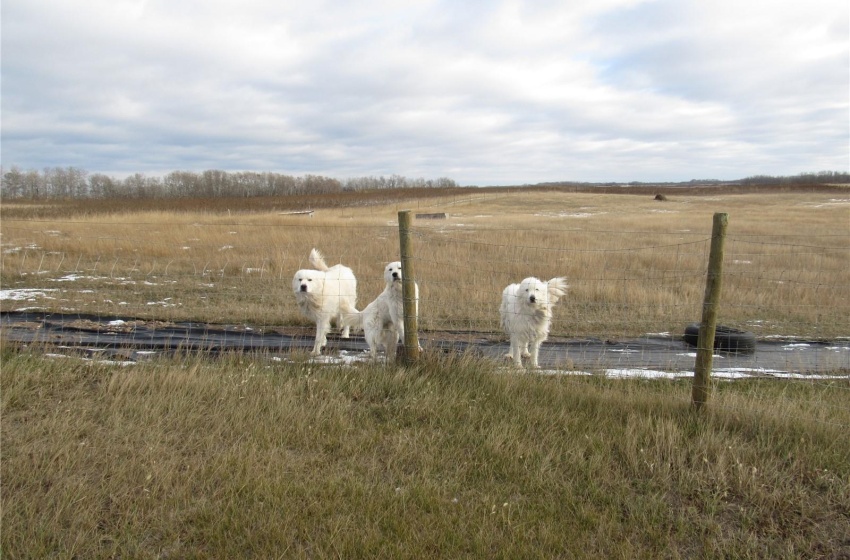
{"type": "Point", "coordinates": [625, 284]}
{"type": "Point", "coordinates": [622, 283]}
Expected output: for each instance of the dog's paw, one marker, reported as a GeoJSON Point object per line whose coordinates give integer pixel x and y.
{"type": "Point", "coordinates": [526, 354]}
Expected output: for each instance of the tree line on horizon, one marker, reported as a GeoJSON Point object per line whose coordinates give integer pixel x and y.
{"type": "Point", "coordinates": [76, 183]}
{"type": "Point", "coordinates": [73, 182]}
{"type": "Point", "coordinates": [819, 178]}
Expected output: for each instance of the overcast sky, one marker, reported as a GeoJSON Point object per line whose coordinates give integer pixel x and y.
{"type": "Point", "coordinates": [484, 92]}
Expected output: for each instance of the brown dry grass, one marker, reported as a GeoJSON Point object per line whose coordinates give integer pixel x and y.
{"type": "Point", "coordinates": [245, 457]}
{"type": "Point", "coordinates": [242, 458]}
{"type": "Point", "coordinates": [634, 264]}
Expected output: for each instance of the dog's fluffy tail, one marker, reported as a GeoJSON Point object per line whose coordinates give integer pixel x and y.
{"type": "Point", "coordinates": [317, 260]}
{"type": "Point", "coordinates": [352, 318]}
{"type": "Point", "coordinates": [557, 288]}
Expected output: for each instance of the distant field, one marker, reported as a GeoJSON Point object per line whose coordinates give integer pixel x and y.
{"type": "Point", "coordinates": [635, 264]}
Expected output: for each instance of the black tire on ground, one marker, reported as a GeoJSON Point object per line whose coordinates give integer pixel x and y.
{"type": "Point", "coordinates": [726, 339]}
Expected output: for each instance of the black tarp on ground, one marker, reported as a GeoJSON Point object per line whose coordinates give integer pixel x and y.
{"type": "Point", "coordinates": [135, 339]}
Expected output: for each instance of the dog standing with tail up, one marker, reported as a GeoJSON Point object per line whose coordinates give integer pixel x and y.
{"type": "Point", "coordinates": [325, 294]}
{"type": "Point", "coordinates": [526, 314]}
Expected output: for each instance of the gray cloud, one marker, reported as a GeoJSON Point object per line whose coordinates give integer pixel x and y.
{"type": "Point", "coordinates": [486, 93]}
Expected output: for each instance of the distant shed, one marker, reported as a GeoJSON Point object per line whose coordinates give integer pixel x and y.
{"type": "Point", "coordinates": [433, 216]}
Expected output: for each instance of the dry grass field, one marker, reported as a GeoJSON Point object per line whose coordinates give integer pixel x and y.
{"type": "Point", "coordinates": [245, 456]}
{"type": "Point", "coordinates": [634, 264]}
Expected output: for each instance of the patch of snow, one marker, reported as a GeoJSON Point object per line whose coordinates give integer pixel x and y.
{"type": "Point", "coordinates": [73, 278]}
{"type": "Point", "coordinates": [739, 373]}
{"type": "Point", "coordinates": [788, 375]}
{"type": "Point", "coordinates": [568, 214]}
{"type": "Point", "coordinates": [832, 202]}
{"type": "Point", "coordinates": [165, 303]}
{"type": "Point", "coordinates": [25, 294]}
{"type": "Point", "coordinates": [644, 373]}
{"type": "Point", "coordinates": [717, 373]}
{"type": "Point", "coordinates": [344, 358]}
{"type": "Point", "coordinates": [122, 363]}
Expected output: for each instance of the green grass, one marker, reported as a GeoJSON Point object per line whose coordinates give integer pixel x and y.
{"type": "Point", "coordinates": [245, 457]}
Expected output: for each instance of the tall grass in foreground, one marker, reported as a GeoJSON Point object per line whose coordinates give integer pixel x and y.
{"type": "Point", "coordinates": [249, 458]}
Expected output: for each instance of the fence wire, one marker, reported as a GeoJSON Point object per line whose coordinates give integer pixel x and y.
{"type": "Point", "coordinates": [622, 284]}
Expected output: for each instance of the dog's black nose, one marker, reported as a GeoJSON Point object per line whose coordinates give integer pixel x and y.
{"type": "Point", "coordinates": [532, 299]}
{"type": "Point", "coordinates": [303, 287]}
{"type": "Point", "coordinates": [395, 274]}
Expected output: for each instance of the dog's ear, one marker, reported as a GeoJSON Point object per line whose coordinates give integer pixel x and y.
{"type": "Point", "coordinates": [557, 288]}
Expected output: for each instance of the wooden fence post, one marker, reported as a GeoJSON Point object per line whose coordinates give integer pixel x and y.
{"type": "Point", "coordinates": [408, 286]}
{"type": "Point", "coordinates": [708, 326]}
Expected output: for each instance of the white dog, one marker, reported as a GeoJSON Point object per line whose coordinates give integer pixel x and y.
{"type": "Point", "coordinates": [383, 319]}
{"type": "Point", "coordinates": [526, 313]}
{"type": "Point", "coordinates": [325, 294]}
